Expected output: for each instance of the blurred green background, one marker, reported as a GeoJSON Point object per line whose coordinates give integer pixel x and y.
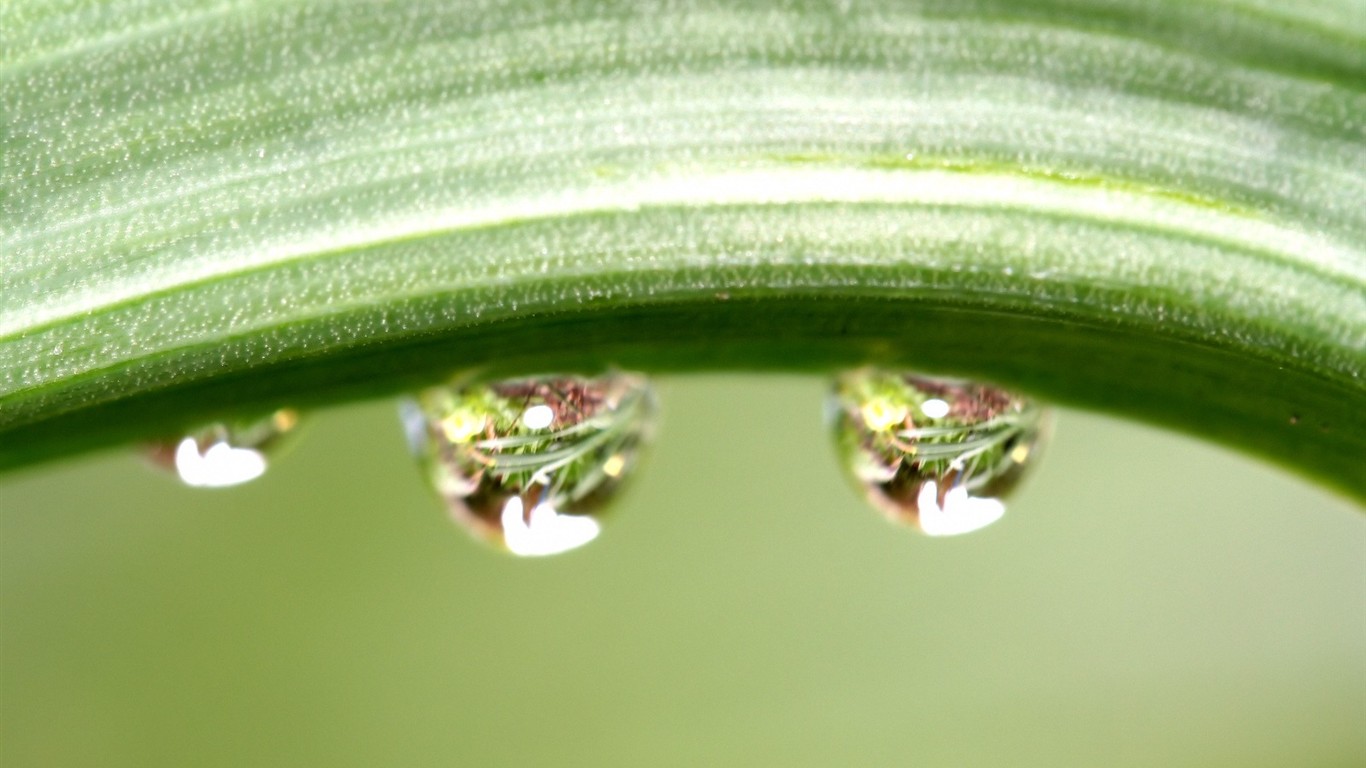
{"type": "Point", "coordinates": [1147, 600]}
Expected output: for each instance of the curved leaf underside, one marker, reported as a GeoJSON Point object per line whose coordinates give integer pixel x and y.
{"type": "Point", "coordinates": [1152, 208]}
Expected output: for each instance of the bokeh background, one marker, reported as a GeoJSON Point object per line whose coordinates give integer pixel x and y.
{"type": "Point", "coordinates": [1147, 600]}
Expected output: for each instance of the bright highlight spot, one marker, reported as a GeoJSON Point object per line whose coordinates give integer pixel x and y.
{"type": "Point", "coordinates": [614, 465]}
{"type": "Point", "coordinates": [961, 513]}
{"type": "Point", "coordinates": [538, 417]}
{"type": "Point", "coordinates": [218, 467]}
{"type": "Point", "coordinates": [284, 420]}
{"type": "Point", "coordinates": [462, 426]}
{"type": "Point", "coordinates": [881, 414]}
{"type": "Point", "coordinates": [935, 408]}
{"type": "Point", "coordinates": [544, 531]}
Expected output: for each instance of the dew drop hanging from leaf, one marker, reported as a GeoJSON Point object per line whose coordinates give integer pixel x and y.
{"type": "Point", "coordinates": [225, 453]}
{"type": "Point", "coordinates": [528, 464]}
{"type": "Point", "coordinates": [936, 454]}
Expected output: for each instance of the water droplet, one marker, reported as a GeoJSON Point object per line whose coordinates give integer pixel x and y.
{"type": "Point", "coordinates": [934, 453]}
{"type": "Point", "coordinates": [224, 453]}
{"type": "Point", "coordinates": [528, 464]}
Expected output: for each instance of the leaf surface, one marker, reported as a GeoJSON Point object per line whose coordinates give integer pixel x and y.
{"type": "Point", "coordinates": [1149, 208]}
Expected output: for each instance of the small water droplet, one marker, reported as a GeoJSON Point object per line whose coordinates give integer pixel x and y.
{"type": "Point", "coordinates": [934, 453]}
{"type": "Point", "coordinates": [528, 464]}
{"type": "Point", "coordinates": [224, 453]}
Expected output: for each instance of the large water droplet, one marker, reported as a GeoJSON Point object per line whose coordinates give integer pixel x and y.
{"type": "Point", "coordinates": [528, 464]}
{"type": "Point", "coordinates": [224, 453]}
{"type": "Point", "coordinates": [934, 453]}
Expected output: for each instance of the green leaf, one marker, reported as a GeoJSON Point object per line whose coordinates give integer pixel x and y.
{"type": "Point", "coordinates": [1145, 207]}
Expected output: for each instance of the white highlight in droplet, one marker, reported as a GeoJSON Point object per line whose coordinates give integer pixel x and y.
{"type": "Point", "coordinates": [538, 417]}
{"type": "Point", "coordinates": [961, 513]}
{"type": "Point", "coordinates": [546, 532]}
{"type": "Point", "coordinates": [218, 467]}
{"type": "Point", "coordinates": [935, 408]}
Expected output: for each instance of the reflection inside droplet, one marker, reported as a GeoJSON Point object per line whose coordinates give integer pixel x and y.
{"type": "Point", "coordinates": [935, 453]}
{"type": "Point", "coordinates": [538, 417]}
{"type": "Point", "coordinates": [957, 512]}
{"type": "Point", "coordinates": [528, 464]}
{"type": "Point", "coordinates": [226, 453]}
{"type": "Point", "coordinates": [935, 408]}
{"type": "Point", "coordinates": [544, 531]}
